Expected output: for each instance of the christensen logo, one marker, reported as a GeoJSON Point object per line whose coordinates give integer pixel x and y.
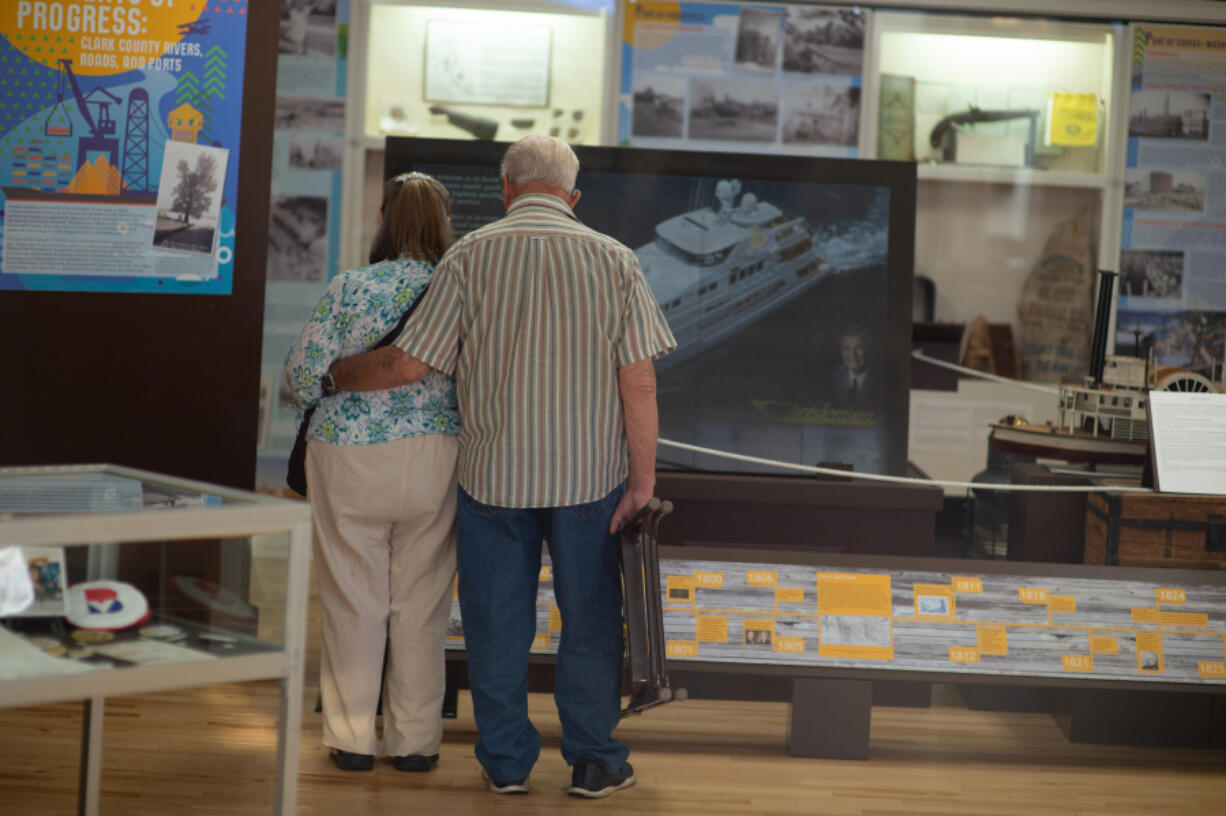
{"type": "Point", "coordinates": [795, 414]}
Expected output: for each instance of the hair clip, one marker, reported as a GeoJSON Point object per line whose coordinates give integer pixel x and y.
{"type": "Point", "coordinates": [403, 177]}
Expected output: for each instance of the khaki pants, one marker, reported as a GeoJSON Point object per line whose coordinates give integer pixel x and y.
{"type": "Point", "coordinates": [384, 522]}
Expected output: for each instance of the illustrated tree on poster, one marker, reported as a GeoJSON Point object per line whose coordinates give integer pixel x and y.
{"type": "Point", "coordinates": [192, 194]}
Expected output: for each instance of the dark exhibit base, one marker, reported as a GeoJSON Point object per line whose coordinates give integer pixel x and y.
{"type": "Point", "coordinates": [1114, 717]}
{"type": "Point", "coordinates": [830, 718]}
{"type": "Point", "coordinates": [796, 513]}
{"type": "Point", "coordinates": [1152, 718]}
{"type": "Point", "coordinates": [728, 685]}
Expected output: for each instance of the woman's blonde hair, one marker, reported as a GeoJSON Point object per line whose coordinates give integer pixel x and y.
{"type": "Point", "coordinates": [416, 220]}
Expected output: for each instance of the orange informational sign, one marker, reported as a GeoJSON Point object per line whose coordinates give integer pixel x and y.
{"type": "Point", "coordinates": [1150, 659]}
{"type": "Point", "coordinates": [711, 628]}
{"type": "Point", "coordinates": [790, 595]}
{"type": "Point", "coordinates": [1104, 644]}
{"type": "Point", "coordinates": [993, 640]}
{"type": "Point", "coordinates": [1062, 603]}
{"type": "Point", "coordinates": [1183, 618]}
{"type": "Point", "coordinates": [679, 589]}
{"type": "Point", "coordinates": [853, 593]}
{"type": "Point", "coordinates": [855, 615]}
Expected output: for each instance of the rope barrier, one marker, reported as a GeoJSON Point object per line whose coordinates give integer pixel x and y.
{"type": "Point", "coordinates": [924, 358]}
{"type": "Point", "coordinates": [880, 477]}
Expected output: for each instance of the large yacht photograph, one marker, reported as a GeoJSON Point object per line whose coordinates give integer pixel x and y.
{"type": "Point", "coordinates": [720, 268]}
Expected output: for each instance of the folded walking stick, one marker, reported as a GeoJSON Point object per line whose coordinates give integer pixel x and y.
{"type": "Point", "coordinates": [649, 684]}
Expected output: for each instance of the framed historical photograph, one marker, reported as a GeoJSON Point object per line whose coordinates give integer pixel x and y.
{"type": "Point", "coordinates": [487, 64]}
{"type": "Point", "coordinates": [48, 576]}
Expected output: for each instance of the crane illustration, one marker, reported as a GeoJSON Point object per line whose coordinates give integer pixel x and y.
{"type": "Point", "coordinates": [102, 129]}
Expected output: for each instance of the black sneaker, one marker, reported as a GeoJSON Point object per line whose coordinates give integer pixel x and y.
{"type": "Point", "coordinates": [591, 781]}
{"type": "Point", "coordinates": [415, 762]}
{"type": "Point", "coordinates": [347, 761]}
{"type": "Point", "coordinates": [517, 786]}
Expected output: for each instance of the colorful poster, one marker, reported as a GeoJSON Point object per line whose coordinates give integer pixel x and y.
{"type": "Point", "coordinates": [1172, 286]}
{"type": "Point", "coordinates": [725, 76]}
{"type": "Point", "coordinates": [119, 144]}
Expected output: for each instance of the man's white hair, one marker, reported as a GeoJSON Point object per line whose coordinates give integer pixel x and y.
{"type": "Point", "coordinates": [541, 158]}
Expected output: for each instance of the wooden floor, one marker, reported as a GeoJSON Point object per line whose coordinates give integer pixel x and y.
{"type": "Point", "coordinates": [211, 751]}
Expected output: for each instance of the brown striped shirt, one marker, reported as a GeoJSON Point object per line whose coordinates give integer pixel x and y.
{"type": "Point", "coordinates": [535, 313]}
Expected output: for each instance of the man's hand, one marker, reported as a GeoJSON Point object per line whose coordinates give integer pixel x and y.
{"type": "Point", "coordinates": [631, 502]}
{"type": "Point", "coordinates": [636, 383]}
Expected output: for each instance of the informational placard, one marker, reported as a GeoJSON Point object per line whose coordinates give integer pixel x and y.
{"type": "Point", "coordinates": [1172, 291]}
{"type": "Point", "coordinates": [119, 145]}
{"type": "Point", "coordinates": [478, 64]}
{"type": "Point", "coordinates": [48, 578]}
{"type": "Point", "coordinates": [948, 622]}
{"type": "Point", "coordinates": [1188, 432]}
{"type": "Point", "coordinates": [732, 76]}
{"type": "Point", "coordinates": [304, 225]}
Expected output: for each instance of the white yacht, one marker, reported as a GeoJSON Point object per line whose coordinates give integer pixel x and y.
{"type": "Point", "coordinates": [716, 271]}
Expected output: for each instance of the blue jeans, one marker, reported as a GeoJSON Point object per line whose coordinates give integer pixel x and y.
{"type": "Point", "coordinates": [498, 553]}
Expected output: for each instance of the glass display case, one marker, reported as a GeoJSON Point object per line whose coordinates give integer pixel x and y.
{"type": "Point", "coordinates": [120, 581]}
{"type": "Point", "coordinates": [468, 69]}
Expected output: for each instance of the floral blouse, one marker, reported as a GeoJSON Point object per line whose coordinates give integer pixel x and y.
{"type": "Point", "coordinates": [359, 308]}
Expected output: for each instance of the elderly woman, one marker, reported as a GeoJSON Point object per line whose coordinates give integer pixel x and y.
{"type": "Point", "coordinates": [381, 466]}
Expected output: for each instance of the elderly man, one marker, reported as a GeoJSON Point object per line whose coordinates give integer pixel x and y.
{"type": "Point", "coordinates": [551, 330]}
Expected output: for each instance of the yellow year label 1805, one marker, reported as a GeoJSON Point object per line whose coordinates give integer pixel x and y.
{"type": "Point", "coordinates": [792, 645]}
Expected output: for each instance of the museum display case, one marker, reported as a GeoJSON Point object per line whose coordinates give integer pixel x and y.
{"type": "Point", "coordinates": [467, 69]}
{"type": "Point", "coordinates": [120, 581]}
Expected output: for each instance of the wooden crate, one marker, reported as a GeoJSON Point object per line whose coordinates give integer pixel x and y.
{"type": "Point", "coordinates": [1159, 530]}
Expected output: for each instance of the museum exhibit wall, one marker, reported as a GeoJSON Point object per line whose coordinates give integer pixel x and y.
{"type": "Point", "coordinates": [168, 382]}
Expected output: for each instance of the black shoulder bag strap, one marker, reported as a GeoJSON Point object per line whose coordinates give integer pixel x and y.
{"type": "Point", "coordinates": [295, 474]}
